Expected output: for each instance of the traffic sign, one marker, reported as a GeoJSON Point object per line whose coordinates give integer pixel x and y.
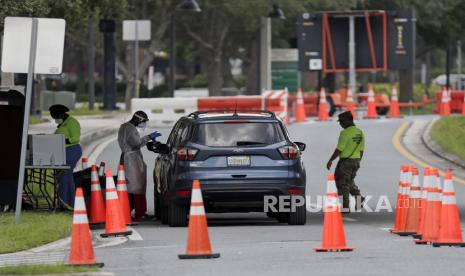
{"type": "Point", "coordinates": [17, 45]}
{"type": "Point", "coordinates": [136, 30]}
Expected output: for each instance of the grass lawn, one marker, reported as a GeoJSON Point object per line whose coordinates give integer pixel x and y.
{"type": "Point", "coordinates": [33, 120]}
{"type": "Point", "coordinates": [449, 133]}
{"type": "Point", "coordinates": [35, 229]}
{"type": "Point", "coordinates": [45, 269]}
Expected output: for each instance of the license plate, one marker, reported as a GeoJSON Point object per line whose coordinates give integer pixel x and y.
{"type": "Point", "coordinates": [238, 161]}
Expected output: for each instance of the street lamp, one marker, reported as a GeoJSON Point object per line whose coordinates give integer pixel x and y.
{"type": "Point", "coordinates": [186, 6]}
{"type": "Point", "coordinates": [264, 47]}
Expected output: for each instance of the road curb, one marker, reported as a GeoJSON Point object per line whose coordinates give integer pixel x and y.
{"type": "Point", "coordinates": [399, 145]}
{"type": "Point", "coordinates": [430, 144]}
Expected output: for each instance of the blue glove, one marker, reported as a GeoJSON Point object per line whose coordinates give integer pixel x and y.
{"type": "Point", "coordinates": [153, 136]}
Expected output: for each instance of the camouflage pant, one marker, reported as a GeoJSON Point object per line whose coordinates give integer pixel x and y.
{"type": "Point", "coordinates": [345, 173]}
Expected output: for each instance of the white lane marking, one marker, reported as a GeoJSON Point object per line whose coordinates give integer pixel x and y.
{"type": "Point", "coordinates": [135, 236]}
{"type": "Point", "coordinates": [114, 241]}
{"type": "Point", "coordinates": [99, 149]}
{"type": "Point", "coordinates": [385, 229]}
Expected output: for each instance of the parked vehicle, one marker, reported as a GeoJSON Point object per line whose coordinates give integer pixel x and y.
{"type": "Point", "coordinates": [238, 156]}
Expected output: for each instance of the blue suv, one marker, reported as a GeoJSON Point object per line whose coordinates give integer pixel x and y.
{"type": "Point", "coordinates": [239, 157]}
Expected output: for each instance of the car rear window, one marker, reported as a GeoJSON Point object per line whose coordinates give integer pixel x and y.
{"type": "Point", "coordinates": [232, 134]}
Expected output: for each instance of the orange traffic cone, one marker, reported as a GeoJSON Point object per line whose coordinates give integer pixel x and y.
{"type": "Point", "coordinates": [445, 102]}
{"type": "Point", "coordinates": [323, 106]}
{"type": "Point", "coordinates": [424, 195]}
{"type": "Point", "coordinates": [431, 224]}
{"type": "Point", "coordinates": [371, 105]}
{"type": "Point", "coordinates": [394, 111]}
{"type": "Point", "coordinates": [404, 207]}
{"type": "Point", "coordinates": [198, 242]}
{"type": "Point", "coordinates": [350, 106]}
{"type": "Point", "coordinates": [115, 223]}
{"type": "Point", "coordinates": [123, 195]}
{"type": "Point", "coordinates": [284, 107]}
{"type": "Point", "coordinates": [333, 228]}
{"type": "Point", "coordinates": [81, 251]}
{"type": "Point", "coordinates": [84, 162]}
{"type": "Point", "coordinates": [399, 200]}
{"type": "Point", "coordinates": [300, 108]}
{"type": "Point", "coordinates": [97, 207]}
{"type": "Point", "coordinates": [414, 209]}
{"type": "Point", "coordinates": [450, 231]}
{"type": "Point", "coordinates": [101, 169]}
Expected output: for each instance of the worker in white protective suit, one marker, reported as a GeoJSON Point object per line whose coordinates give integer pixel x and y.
{"type": "Point", "coordinates": [130, 143]}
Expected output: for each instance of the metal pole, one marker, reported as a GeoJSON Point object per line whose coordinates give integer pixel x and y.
{"type": "Point", "coordinates": [265, 53]}
{"type": "Point", "coordinates": [459, 63]}
{"type": "Point", "coordinates": [258, 53]}
{"type": "Point", "coordinates": [172, 58]}
{"type": "Point", "coordinates": [352, 74]}
{"type": "Point", "coordinates": [91, 68]}
{"type": "Point", "coordinates": [136, 61]}
{"type": "Point", "coordinates": [447, 67]}
{"type": "Point", "coordinates": [27, 105]}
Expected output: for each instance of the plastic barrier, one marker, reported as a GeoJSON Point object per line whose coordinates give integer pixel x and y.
{"type": "Point", "coordinates": [164, 110]}
{"type": "Point", "coordinates": [169, 110]}
{"type": "Point", "coordinates": [242, 102]}
{"type": "Point", "coordinates": [456, 101]}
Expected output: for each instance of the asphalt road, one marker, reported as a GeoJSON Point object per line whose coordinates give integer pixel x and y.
{"type": "Point", "coordinates": [251, 244]}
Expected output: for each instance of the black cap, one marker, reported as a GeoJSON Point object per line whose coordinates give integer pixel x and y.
{"type": "Point", "coordinates": [345, 116]}
{"type": "Point", "coordinates": [57, 109]}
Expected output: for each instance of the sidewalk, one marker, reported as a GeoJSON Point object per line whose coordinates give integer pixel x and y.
{"type": "Point", "coordinates": [416, 140]}
{"type": "Point", "coordinates": [55, 252]}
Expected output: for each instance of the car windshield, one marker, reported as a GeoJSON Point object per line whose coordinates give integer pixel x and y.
{"type": "Point", "coordinates": [238, 134]}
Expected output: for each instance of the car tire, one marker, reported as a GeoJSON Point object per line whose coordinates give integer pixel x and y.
{"type": "Point", "coordinates": [299, 217]}
{"type": "Point", "coordinates": [177, 215]}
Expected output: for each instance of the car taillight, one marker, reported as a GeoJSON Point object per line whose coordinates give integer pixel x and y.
{"type": "Point", "coordinates": [186, 154]}
{"type": "Point", "coordinates": [183, 193]}
{"type": "Point", "coordinates": [289, 152]}
{"type": "Point", "coordinates": [293, 191]}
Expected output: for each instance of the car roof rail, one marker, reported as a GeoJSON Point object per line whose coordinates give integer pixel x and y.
{"type": "Point", "coordinates": [235, 112]}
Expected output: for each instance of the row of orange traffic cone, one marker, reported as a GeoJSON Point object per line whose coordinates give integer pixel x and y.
{"type": "Point", "coordinates": [428, 212]}
{"type": "Point", "coordinates": [116, 215]}
{"type": "Point", "coordinates": [394, 111]}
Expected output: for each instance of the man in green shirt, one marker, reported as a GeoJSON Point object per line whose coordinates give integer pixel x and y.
{"type": "Point", "coordinates": [350, 147]}
{"type": "Point", "coordinates": [70, 128]}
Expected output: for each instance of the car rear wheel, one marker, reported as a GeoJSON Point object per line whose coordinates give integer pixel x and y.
{"type": "Point", "coordinates": [177, 215]}
{"type": "Point", "coordinates": [299, 217]}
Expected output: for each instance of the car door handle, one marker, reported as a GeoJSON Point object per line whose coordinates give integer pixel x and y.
{"type": "Point", "coordinates": [238, 175]}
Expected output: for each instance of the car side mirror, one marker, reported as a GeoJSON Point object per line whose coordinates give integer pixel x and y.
{"type": "Point", "coordinates": [158, 147]}
{"type": "Point", "coordinates": [301, 145]}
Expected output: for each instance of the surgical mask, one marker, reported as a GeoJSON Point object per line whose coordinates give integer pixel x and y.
{"type": "Point", "coordinates": [142, 125]}
{"type": "Point", "coordinates": [58, 121]}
